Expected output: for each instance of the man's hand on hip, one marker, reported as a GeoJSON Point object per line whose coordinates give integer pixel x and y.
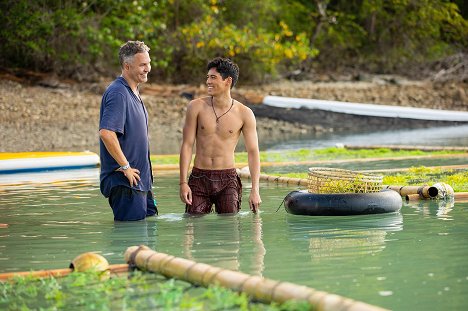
{"type": "Point", "coordinates": [133, 176]}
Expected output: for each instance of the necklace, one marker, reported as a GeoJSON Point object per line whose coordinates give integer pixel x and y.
{"type": "Point", "coordinates": [212, 106]}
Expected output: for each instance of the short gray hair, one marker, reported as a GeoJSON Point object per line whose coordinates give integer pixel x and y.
{"type": "Point", "coordinates": [129, 49]}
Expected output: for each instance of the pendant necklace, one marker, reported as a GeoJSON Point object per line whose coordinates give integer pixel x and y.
{"type": "Point", "coordinates": [212, 106]}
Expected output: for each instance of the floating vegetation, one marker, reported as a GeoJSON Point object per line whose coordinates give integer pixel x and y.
{"type": "Point", "coordinates": [421, 175]}
{"type": "Point", "coordinates": [301, 155]}
{"type": "Point", "coordinates": [134, 291]}
{"type": "Point", "coordinates": [416, 176]}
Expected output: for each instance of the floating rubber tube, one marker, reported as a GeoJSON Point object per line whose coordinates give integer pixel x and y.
{"type": "Point", "coordinates": [21, 162]}
{"type": "Point", "coordinates": [262, 289]}
{"type": "Point", "coordinates": [342, 204]}
{"type": "Point", "coordinates": [425, 192]}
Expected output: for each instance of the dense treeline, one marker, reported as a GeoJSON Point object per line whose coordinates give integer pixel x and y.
{"type": "Point", "coordinates": [80, 39]}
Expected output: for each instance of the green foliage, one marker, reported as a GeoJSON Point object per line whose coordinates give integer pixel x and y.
{"type": "Point", "coordinates": [266, 38]}
{"type": "Point", "coordinates": [138, 291]}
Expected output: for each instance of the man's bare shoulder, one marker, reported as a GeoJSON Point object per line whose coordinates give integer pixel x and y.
{"type": "Point", "coordinates": [244, 110]}
{"type": "Point", "coordinates": [197, 104]}
{"type": "Point", "coordinates": [199, 101]}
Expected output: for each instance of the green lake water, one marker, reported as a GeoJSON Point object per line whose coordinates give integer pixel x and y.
{"type": "Point", "coordinates": [413, 260]}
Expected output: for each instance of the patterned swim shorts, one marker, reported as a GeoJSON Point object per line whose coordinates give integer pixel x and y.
{"type": "Point", "coordinates": [223, 188]}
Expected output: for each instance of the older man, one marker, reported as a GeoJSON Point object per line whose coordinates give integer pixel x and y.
{"type": "Point", "coordinates": [126, 174]}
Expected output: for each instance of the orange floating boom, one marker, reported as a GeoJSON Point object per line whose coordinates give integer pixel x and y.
{"type": "Point", "coordinates": [119, 268]}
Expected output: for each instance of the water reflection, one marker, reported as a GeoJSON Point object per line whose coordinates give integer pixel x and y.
{"type": "Point", "coordinates": [437, 136]}
{"type": "Point", "coordinates": [341, 237]}
{"type": "Point", "coordinates": [438, 208]}
{"type": "Point", "coordinates": [221, 239]}
{"type": "Point", "coordinates": [127, 234]}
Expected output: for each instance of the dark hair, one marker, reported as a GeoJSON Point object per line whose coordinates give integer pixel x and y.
{"type": "Point", "coordinates": [226, 68]}
{"type": "Point", "coordinates": [129, 49]}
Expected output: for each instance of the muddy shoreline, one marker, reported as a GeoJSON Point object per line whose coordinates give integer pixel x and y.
{"type": "Point", "coordinates": [53, 115]}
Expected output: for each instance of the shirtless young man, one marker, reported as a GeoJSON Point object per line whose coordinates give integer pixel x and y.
{"type": "Point", "coordinates": [215, 123]}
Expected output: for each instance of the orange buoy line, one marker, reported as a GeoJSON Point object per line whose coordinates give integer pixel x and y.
{"type": "Point", "coordinates": [115, 269]}
{"type": "Point", "coordinates": [262, 289]}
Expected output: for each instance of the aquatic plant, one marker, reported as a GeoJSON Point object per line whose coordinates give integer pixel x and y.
{"type": "Point", "coordinates": [134, 291]}
{"type": "Point", "coordinates": [415, 176]}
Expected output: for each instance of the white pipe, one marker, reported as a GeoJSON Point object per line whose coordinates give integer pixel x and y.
{"type": "Point", "coordinates": [367, 109]}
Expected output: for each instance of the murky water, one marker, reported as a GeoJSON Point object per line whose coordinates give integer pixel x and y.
{"type": "Point", "coordinates": [413, 260]}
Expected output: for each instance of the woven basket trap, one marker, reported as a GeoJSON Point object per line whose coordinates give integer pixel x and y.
{"type": "Point", "coordinates": [333, 180]}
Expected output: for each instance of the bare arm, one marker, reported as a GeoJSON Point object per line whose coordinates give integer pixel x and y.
{"type": "Point", "coordinates": [109, 138]}
{"type": "Point", "coordinates": [249, 131]}
{"type": "Point", "coordinates": [188, 139]}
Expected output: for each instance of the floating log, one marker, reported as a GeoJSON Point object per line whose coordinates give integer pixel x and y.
{"type": "Point", "coordinates": [115, 269]}
{"type": "Point", "coordinates": [261, 289]}
{"type": "Point", "coordinates": [424, 192]}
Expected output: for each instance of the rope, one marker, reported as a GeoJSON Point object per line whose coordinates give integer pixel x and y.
{"type": "Point", "coordinates": [131, 262]}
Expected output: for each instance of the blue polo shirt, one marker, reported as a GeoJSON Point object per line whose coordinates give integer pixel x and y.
{"type": "Point", "coordinates": [125, 114]}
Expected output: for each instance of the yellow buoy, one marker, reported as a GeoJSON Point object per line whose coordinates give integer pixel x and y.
{"type": "Point", "coordinates": [91, 262]}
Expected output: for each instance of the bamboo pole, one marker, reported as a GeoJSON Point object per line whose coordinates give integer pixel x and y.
{"type": "Point", "coordinates": [116, 269]}
{"type": "Point", "coordinates": [458, 197]}
{"type": "Point", "coordinates": [412, 197]}
{"type": "Point", "coordinates": [461, 196]}
{"type": "Point", "coordinates": [277, 179]}
{"type": "Point", "coordinates": [425, 192]}
{"type": "Point", "coordinates": [262, 289]}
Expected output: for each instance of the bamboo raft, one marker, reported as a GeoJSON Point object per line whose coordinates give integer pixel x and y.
{"type": "Point", "coordinates": [261, 289]}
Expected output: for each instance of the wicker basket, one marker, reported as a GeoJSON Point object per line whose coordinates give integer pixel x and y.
{"type": "Point", "coordinates": [333, 180]}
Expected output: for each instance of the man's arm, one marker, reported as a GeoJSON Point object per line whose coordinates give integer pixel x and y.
{"type": "Point", "coordinates": [249, 131]}
{"type": "Point", "coordinates": [109, 138]}
{"type": "Point", "coordinates": [185, 157]}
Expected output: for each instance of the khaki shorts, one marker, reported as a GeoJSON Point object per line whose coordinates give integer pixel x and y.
{"type": "Point", "coordinates": [223, 188]}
